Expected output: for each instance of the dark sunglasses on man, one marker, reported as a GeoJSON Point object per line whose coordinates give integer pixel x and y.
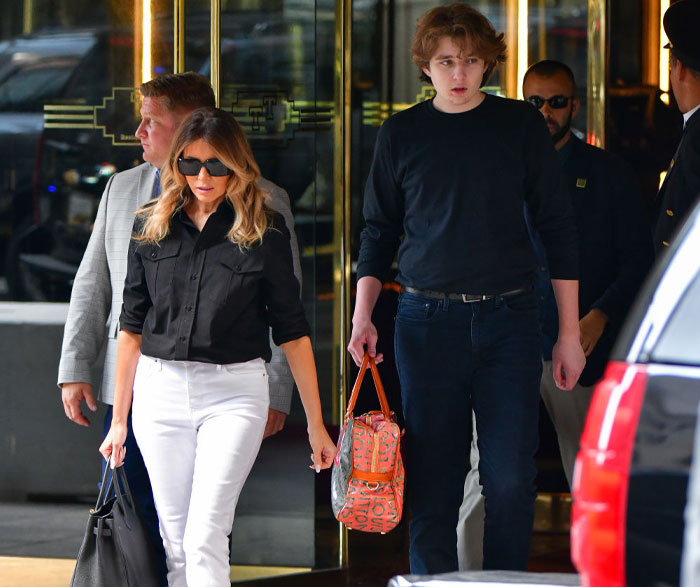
{"type": "Point", "coordinates": [557, 102]}
{"type": "Point", "coordinates": [214, 167]}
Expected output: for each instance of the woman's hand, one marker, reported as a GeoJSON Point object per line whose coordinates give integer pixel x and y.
{"type": "Point", "coordinates": [322, 446]}
{"type": "Point", "coordinates": [113, 444]}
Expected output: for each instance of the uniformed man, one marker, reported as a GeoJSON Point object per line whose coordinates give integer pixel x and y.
{"type": "Point", "coordinates": [615, 253]}
{"type": "Point", "coordinates": [681, 188]}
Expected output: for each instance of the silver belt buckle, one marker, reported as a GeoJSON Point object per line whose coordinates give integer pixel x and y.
{"type": "Point", "coordinates": [481, 298]}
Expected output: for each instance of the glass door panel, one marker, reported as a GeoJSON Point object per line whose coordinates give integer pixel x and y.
{"type": "Point", "coordinates": [67, 118]}
{"type": "Point", "coordinates": [69, 108]}
{"type": "Point", "coordinates": [558, 29]}
{"type": "Point", "coordinates": [277, 78]}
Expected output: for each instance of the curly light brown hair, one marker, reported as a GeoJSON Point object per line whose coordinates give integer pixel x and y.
{"type": "Point", "coordinates": [463, 25]}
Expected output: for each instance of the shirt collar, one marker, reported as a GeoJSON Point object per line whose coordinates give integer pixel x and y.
{"type": "Point", "coordinates": [217, 226]}
{"type": "Point", "coordinates": [687, 115]}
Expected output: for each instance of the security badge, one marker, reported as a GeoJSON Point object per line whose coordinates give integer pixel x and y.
{"type": "Point", "coordinates": [581, 182]}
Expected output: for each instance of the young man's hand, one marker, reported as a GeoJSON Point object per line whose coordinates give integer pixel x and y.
{"type": "Point", "coordinates": [568, 361]}
{"type": "Point", "coordinates": [364, 332]}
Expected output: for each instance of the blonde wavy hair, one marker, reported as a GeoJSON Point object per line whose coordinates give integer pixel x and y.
{"type": "Point", "coordinates": [222, 132]}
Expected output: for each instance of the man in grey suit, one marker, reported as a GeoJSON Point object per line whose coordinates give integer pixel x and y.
{"type": "Point", "coordinates": [99, 283]}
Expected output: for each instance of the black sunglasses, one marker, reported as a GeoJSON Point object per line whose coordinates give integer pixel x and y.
{"type": "Point", "coordinates": [214, 167]}
{"type": "Point", "coordinates": [556, 102]}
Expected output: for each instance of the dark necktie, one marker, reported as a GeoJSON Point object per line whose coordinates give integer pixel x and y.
{"type": "Point", "coordinates": [156, 185]}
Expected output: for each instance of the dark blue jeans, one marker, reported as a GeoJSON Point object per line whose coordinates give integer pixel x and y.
{"type": "Point", "coordinates": [140, 486]}
{"type": "Point", "coordinates": [453, 357]}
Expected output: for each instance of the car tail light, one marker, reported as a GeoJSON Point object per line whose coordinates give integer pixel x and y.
{"type": "Point", "coordinates": [601, 476]}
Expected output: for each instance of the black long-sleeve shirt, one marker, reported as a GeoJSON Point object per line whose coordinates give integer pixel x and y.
{"type": "Point", "coordinates": [197, 297]}
{"type": "Point", "coordinates": [447, 191]}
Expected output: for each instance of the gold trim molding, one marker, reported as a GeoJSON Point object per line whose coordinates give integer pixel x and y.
{"type": "Point", "coordinates": [597, 72]}
{"type": "Point", "coordinates": [79, 116]}
{"type": "Point", "coordinates": [341, 224]}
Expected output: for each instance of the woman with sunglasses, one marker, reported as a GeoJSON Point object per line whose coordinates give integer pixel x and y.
{"type": "Point", "coordinates": [209, 272]}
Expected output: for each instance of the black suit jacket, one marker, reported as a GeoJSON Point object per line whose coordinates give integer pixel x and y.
{"type": "Point", "coordinates": [615, 248]}
{"type": "Point", "coordinates": [681, 187]}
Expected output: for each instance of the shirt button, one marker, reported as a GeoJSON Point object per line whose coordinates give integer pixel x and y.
{"type": "Point", "coordinates": [182, 339]}
{"type": "Point", "coordinates": [153, 254]}
{"type": "Point", "coordinates": [188, 308]}
{"type": "Point", "coordinates": [238, 267]}
{"type": "Point", "coordinates": [194, 276]}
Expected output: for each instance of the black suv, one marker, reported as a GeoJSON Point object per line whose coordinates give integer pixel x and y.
{"type": "Point", "coordinates": [631, 475]}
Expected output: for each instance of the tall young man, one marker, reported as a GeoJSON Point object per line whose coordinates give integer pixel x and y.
{"type": "Point", "coordinates": [99, 283]}
{"type": "Point", "coordinates": [446, 189]}
{"type": "Point", "coordinates": [615, 253]}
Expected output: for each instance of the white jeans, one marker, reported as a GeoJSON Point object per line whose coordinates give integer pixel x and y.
{"type": "Point", "coordinates": [199, 427]}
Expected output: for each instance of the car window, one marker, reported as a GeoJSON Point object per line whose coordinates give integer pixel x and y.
{"type": "Point", "coordinates": [679, 342]}
{"type": "Point", "coordinates": [30, 87]}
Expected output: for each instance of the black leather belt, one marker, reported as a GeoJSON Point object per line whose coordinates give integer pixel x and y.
{"type": "Point", "coordinates": [466, 298]}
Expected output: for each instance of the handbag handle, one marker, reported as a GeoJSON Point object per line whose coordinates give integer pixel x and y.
{"type": "Point", "coordinates": [121, 481]}
{"type": "Point", "coordinates": [113, 485]}
{"type": "Point", "coordinates": [105, 489]}
{"type": "Point", "coordinates": [377, 384]}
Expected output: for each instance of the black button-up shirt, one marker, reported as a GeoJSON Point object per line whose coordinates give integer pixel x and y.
{"type": "Point", "coordinates": [198, 297]}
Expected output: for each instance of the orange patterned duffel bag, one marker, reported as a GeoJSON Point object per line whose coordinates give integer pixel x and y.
{"type": "Point", "coordinates": [368, 479]}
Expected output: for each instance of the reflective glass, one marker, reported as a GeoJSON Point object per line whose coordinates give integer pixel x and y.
{"type": "Point", "coordinates": [68, 113]}
{"type": "Point", "coordinates": [67, 118]}
{"type": "Point", "coordinates": [277, 79]}
{"type": "Point", "coordinates": [558, 29]}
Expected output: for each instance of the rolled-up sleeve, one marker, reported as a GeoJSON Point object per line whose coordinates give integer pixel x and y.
{"type": "Point", "coordinates": [285, 313]}
{"type": "Point", "coordinates": [137, 299]}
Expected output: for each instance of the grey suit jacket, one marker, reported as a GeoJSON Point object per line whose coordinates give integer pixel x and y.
{"type": "Point", "coordinates": [96, 299]}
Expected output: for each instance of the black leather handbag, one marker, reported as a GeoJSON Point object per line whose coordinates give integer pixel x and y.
{"type": "Point", "coordinates": [115, 551]}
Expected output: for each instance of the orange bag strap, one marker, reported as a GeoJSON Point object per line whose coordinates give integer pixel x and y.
{"type": "Point", "coordinates": [377, 384]}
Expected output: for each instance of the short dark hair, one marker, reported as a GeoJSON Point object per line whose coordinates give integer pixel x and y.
{"type": "Point", "coordinates": [549, 68]}
{"type": "Point", "coordinates": [462, 24]}
{"type": "Point", "coordinates": [188, 90]}
{"type": "Point", "coordinates": [694, 72]}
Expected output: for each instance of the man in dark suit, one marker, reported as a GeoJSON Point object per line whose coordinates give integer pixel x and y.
{"type": "Point", "coordinates": [681, 188]}
{"type": "Point", "coordinates": [615, 253]}
{"type": "Point", "coordinates": [615, 250]}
